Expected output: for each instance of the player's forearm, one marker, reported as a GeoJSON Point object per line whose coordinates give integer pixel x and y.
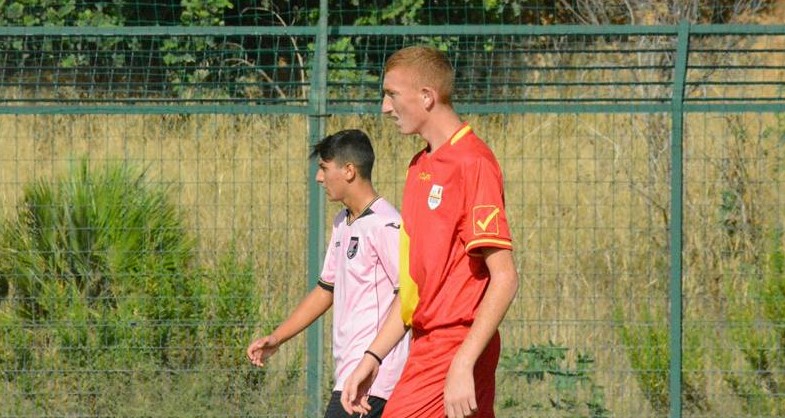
{"type": "Point", "coordinates": [314, 305]}
{"type": "Point", "coordinates": [391, 332]}
{"type": "Point", "coordinates": [502, 287]}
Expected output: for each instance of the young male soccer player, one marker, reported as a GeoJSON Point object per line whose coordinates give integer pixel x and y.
{"type": "Point", "coordinates": [457, 273]}
{"type": "Point", "coordinates": [360, 274]}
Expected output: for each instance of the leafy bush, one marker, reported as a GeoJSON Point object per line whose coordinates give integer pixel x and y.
{"type": "Point", "coordinates": [104, 257]}
{"type": "Point", "coordinates": [77, 55]}
{"type": "Point", "coordinates": [571, 391]}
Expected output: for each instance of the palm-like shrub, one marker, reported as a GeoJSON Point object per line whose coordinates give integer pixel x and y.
{"type": "Point", "coordinates": [102, 257]}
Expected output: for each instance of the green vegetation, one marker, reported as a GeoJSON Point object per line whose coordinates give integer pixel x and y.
{"type": "Point", "coordinates": [647, 340]}
{"type": "Point", "coordinates": [103, 296]}
{"type": "Point", "coordinates": [232, 67]}
{"type": "Point", "coordinates": [239, 196]}
{"type": "Point", "coordinates": [216, 225]}
{"type": "Point", "coordinates": [555, 385]}
{"type": "Point", "coordinates": [756, 324]}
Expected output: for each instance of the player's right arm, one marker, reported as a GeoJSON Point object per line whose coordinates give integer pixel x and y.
{"type": "Point", "coordinates": [354, 397]}
{"type": "Point", "coordinates": [314, 305]}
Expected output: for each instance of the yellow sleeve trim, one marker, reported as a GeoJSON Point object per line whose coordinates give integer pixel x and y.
{"type": "Point", "coordinates": [488, 242]}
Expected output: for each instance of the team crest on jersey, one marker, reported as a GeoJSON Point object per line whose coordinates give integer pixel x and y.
{"type": "Point", "coordinates": [354, 243]}
{"type": "Point", "coordinates": [435, 197]}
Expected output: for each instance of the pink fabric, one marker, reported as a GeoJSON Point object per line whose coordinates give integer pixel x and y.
{"type": "Point", "coordinates": [361, 264]}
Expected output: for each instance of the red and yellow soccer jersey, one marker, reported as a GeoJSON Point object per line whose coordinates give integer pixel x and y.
{"type": "Point", "coordinates": [453, 206]}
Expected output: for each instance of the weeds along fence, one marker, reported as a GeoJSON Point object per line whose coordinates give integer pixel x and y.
{"type": "Point", "coordinates": [158, 212]}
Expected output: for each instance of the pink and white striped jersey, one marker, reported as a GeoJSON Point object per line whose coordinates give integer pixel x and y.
{"type": "Point", "coordinates": [361, 269]}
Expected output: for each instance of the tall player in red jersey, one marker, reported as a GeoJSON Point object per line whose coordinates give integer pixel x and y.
{"type": "Point", "coordinates": [457, 272]}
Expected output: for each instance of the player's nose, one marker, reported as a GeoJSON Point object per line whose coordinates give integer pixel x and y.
{"type": "Point", "coordinates": [386, 105]}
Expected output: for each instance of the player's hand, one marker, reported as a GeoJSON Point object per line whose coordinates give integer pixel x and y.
{"type": "Point", "coordinates": [459, 397]}
{"type": "Point", "coordinates": [354, 397]}
{"type": "Point", "coordinates": [261, 349]}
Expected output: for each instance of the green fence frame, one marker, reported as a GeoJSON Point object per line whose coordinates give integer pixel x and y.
{"type": "Point", "coordinates": [318, 108]}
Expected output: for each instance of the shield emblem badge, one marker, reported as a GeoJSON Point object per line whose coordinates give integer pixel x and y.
{"type": "Point", "coordinates": [435, 196]}
{"type": "Point", "coordinates": [351, 251]}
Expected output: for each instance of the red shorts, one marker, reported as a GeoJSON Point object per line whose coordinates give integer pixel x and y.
{"type": "Point", "coordinates": [420, 391]}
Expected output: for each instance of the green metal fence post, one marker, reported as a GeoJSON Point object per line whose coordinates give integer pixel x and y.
{"type": "Point", "coordinates": [677, 177]}
{"type": "Point", "coordinates": [316, 207]}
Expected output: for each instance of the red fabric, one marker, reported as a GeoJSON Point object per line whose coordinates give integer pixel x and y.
{"type": "Point", "coordinates": [453, 206]}
{"type": "Point", "coordinates": [420, 391]}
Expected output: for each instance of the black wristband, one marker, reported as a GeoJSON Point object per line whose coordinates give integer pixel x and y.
{"type": "Point", "coordinates": [374, 355]}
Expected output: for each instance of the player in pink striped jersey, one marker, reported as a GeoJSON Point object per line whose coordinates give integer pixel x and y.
{"type": "Point", "coordinates": [360, 274]}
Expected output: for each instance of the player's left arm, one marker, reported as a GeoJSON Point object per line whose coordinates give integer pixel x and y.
{"type": "Point", "coordinates": [459, 397]}
{"type": "Point", "coordinates": [487, 234]}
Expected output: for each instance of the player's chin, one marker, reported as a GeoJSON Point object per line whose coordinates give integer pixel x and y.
{"type": "Point", "coordinates": [398, 125]}
{"type": "Point", "coordinates": [405, 130]}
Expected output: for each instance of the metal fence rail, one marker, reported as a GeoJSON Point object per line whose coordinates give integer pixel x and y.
{"type": "Point", "coordinates": [645, 183]}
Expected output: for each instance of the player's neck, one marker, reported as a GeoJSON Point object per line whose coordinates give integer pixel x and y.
{"type": "Point", "coordinates": [360, 203]}
{"type": "Point", "coordinates": [441, 128]}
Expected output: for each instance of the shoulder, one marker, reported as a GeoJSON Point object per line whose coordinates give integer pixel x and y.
{"type": "Point", "coordinates": [473, 147]}
{"type": "Point", "coordinates": [475, 153]}
{"type": "Point", "coordinates": [387, 216]}
{"type": "Point", "coordinates": [339, 218]}
{"type": "Point", "coordinates": [385, 210]}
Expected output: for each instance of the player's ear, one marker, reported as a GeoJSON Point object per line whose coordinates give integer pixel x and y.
{"type": "Point", "coordinates": [429, 97]}
{"type": "Point", "coordinates": [349, 171]}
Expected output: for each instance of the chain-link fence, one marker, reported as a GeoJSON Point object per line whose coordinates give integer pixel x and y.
{"type": "Point", "coordinates": [158, 212]}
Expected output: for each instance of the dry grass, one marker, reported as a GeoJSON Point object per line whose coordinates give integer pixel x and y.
{"type": "Point", "coordinates": [588, 199]}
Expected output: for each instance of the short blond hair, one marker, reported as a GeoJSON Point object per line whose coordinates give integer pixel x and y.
{"type": "Point", "coordinates": [431, 66]}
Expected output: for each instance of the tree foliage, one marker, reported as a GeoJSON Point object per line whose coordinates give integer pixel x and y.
{"type": "Point", "coordinates": [270, 67]}
{"type": "Point", "coordinates": [355, 12]}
